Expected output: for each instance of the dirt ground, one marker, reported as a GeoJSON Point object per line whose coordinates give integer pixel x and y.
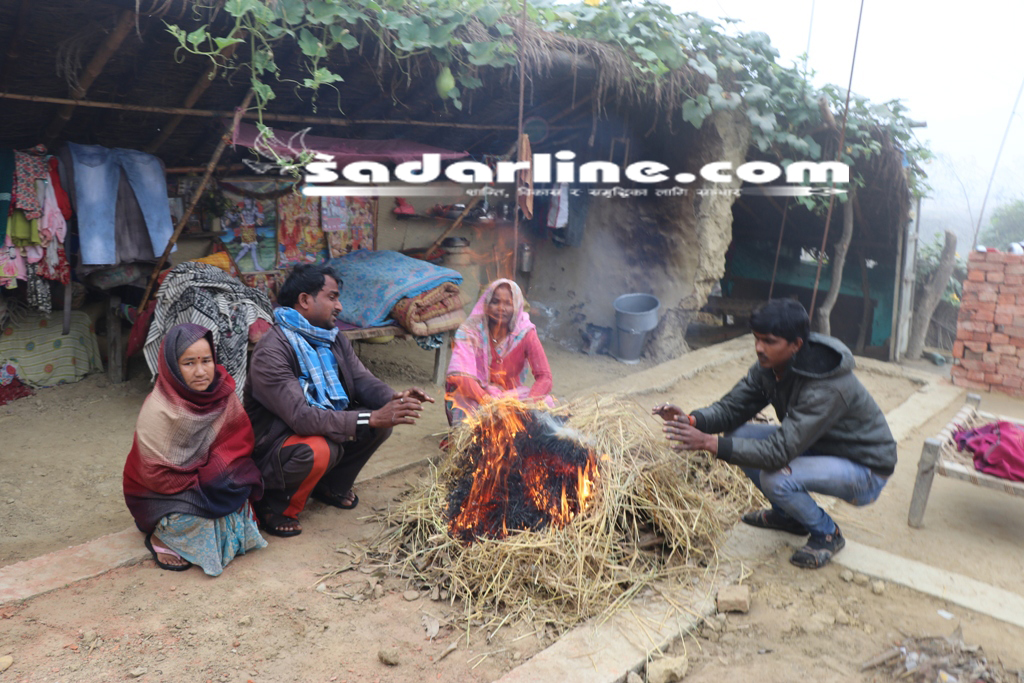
{"type": "Point", "coordinates": [265, 620]}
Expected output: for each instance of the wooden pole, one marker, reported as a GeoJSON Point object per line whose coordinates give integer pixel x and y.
{"type": "Point", "coordinates": [196, 196]}
{"type": "Point", "coordinates": [267, 116]}
{"type": "Point", "coordinates": [778, 249]}
{"type": "Point", "coordinates": [201, 85]}
{"type": "Point", "coordinates": [180, 170]}
{"type": "Point", "coordinates": [519, 140]}
{"type": "Point", "coordinates": [92, 71]}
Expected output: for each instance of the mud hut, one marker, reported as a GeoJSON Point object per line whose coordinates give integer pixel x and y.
{"type": "Point", "coordinates": [110, 72]}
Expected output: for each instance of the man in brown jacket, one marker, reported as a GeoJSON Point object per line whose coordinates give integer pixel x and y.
{"type": "Point", "coordinates": [318, 414]}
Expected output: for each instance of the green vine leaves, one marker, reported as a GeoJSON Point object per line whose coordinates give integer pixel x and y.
{"type": "Point", "coordinates": [726, 70]}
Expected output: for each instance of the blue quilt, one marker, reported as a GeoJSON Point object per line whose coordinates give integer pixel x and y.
{"type": "Point", "coordinates": [374, 281]}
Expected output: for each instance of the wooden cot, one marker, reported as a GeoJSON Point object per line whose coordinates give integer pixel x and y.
{"type": "Point", "coordinates": [940, 456]}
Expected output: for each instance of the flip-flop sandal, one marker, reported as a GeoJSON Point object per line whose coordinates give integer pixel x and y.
{"type": "Point", "coordinates": [154, 549]}
{"type": "Point", "coordinates": [336, 500]}
{"type": "Point", "coordinates": [272, 523]}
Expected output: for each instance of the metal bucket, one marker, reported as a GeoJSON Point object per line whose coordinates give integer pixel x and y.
{"type": "Point", "coordinates": [635, 316]}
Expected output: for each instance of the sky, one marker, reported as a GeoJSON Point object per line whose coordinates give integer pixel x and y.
{"type": "Point", "coordinates": [957, 67]}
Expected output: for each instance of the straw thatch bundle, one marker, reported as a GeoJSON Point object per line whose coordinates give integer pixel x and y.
{"type": "Point", "coordinates": [657, 515]}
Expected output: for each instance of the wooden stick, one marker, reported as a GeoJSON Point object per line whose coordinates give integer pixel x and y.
{"type": "Point", "coordinates": [267, 116]}
{"type": "Point", "coordinates": [196, 196]}
{"type": "Point", "coordinates": [201, 169]}
{"type": "Point", "coordinates": [201, 85]}
{"type": "Point", "coordinates": [451, 228]}
{"type": "Point", "coordinates": [95, 67]}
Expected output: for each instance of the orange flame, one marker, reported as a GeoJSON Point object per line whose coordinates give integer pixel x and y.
{"type": "Point", "coordinates": [521, 479]}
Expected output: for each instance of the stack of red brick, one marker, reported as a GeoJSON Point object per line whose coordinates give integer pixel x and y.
{"type": "Point", "coordinates": [989, 347]}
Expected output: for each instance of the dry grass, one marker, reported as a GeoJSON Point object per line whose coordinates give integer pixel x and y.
{"type": "Point", "coordinates": [599, 561]}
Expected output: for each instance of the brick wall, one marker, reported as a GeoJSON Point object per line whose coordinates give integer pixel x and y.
{"type": "Point", "coordinates": [989, 349]}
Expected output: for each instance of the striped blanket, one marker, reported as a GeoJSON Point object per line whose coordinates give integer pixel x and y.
{"type": "Point", "coordinates": [205, 295]}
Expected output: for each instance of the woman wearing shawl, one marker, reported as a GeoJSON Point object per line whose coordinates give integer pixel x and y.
{"type": "Point", "coordinates": [190, 474]}
{"type": "Point", "coordinates": [491, 352]}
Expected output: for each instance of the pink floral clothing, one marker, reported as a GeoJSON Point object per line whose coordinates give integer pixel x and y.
{"type": "Point", "coordinates": [12, 265]}
{"type": "Point", "coordinates": [29, 167]}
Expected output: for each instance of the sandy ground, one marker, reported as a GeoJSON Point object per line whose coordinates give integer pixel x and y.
{"type": "Point", "coordinates": [264, 620]}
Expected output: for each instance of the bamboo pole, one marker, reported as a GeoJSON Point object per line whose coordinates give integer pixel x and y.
{"type": "Point", "coordinates": [200, 87]}
{"type": "Point", "coordinates": [196, 196]}
{"type": "Point", "coordinates": [125, 21]}
{"type": "Point", "coordinates": [267, 116]}
{"type": "Point", "coordinates": [519, 140]}
{"type": "Point", "coordinates": [178, 170]}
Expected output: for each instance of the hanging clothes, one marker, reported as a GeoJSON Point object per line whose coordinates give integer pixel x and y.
{"type": "Point", "coordinates": [525, 200]}
{"type": "Point", "coordinates": [38, 291]}
{"type": "Point", "coordinates": [63, 201]}
{"type": "Point", "coordinates": [97, 175]}
{"type": "Point", "coordinates": [12, 264]}
{"type": "Point", "coordinates": [6, 186]}
{"type": "Point", "coordinates": [29, 166]}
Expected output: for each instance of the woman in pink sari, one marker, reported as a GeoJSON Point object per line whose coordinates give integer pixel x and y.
{"type": "Point", "coordinates": [492, 350]}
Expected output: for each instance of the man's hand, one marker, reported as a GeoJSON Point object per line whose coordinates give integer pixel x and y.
{"type": "Point", "coordinates": [413, 393]}
{"type": "Point", "coordinates": [685, 437]}
{"type": "Point", "coordinates": [669, 412]}
{"type": "Point", "coordinates": [404, 409]}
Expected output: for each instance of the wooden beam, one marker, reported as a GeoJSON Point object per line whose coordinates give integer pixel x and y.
{"type": "Point", "coordinates": [14, 47]}
{"type": "Point", "coordinates": [180, 170]}
{"type": "Point", "coordinates": [125, 21]}
{"type": "Point", "coordinates": [201, 85]}
{"type": "Point", "coordinates": [267, 116]}
{"type": "Point", "coordinates": [196, 196]}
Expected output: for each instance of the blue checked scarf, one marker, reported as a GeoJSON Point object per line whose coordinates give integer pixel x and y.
{"type": "Point", "coordinates": [318, 370]}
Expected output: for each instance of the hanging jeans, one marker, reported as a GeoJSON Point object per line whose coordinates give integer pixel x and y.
{"type": "Point", "coordinates": [97, 172]}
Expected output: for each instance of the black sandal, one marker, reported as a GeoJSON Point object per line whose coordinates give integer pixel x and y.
{"type": "Point", "coordinates": [336, 500]}
{"type": "Point", "coordinates": [272, 523]}
{"type": "Point", "coordinates": [166, 551]}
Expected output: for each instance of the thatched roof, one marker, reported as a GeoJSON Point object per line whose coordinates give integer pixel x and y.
{"type": "Point", "coordinates": [585, 91]}
{"type": "Point", "coordinates": [570, 82]}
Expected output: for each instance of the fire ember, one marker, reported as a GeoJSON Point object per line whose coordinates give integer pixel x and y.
{"type": "Point", "coordinates": [523, 470]}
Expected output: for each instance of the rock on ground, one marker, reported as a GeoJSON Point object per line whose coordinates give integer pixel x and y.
{"type": "Point", "coordinates": [667, 670]}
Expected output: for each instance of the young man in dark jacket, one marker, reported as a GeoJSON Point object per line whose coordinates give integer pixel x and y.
{"type": "Point", "coordinates": [833, 439]}
{"type": "Point", "coordinates": [317, 413]}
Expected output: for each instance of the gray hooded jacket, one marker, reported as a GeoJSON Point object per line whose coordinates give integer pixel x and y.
{"type": "Point", "coordinates": [823, 407]}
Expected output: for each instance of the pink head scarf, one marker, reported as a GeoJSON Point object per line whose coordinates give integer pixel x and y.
{"type": "Point", "coordinates": [471, 354]}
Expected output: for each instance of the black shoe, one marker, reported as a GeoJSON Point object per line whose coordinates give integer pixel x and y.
{"type": "Point", "coordinates": [819, 550]}
{"type": "Point", "coordinates": [771, 519]}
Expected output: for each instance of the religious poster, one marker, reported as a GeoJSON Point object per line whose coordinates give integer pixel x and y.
{"type": "Point", "coordinates": [250, 224]}
{"type": "Point", "coordinates": [299, 237]}
{"type": "Point", "coordinates": [349, 223]}
{"type": "Point", "coordinates": [268, 282]}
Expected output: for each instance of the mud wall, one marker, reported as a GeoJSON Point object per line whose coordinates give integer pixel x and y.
{"type": "Point", "coordinates": [671, 247]}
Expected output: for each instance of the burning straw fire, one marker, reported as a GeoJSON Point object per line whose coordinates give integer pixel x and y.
{"type": "Point", "coordinates": [559, 516]}
{"type": "Point", "coordinates": [522, 470]}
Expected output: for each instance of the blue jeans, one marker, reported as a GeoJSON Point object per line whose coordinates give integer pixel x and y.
{"type": "Point", "coordinates": [789, 489]}
{"type": "Point", "coordinates": [97, 173]}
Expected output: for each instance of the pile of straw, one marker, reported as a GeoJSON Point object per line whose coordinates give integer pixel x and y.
{"type": "Point", "coordinates": [658, 515]}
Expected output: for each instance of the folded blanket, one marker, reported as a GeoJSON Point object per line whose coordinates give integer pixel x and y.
{"type": "Point", "coordinates": [440, 323]}
{"type": "Point", "coordinates": [374, 281]}
{"type": "Point", "coordinates": [430, 304]}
